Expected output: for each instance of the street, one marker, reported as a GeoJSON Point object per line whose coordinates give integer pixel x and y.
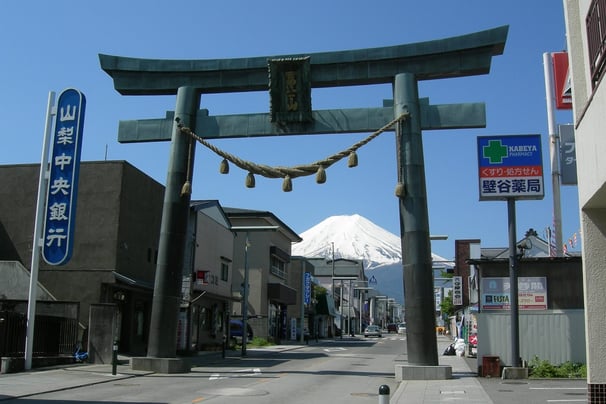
{"type": "Point", "coordinates": [350, 370]}
{"type": "Point", "coordinates": [335, 371]}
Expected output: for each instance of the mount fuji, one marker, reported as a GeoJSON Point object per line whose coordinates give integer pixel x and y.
{"type": "Point", "coordinates": [355, 237]}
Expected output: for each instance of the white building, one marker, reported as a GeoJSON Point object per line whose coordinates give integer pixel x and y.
{"type": "Point", "coordinates": [586, 35]}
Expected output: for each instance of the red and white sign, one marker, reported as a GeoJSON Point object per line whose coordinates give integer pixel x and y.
{"type": "Point", "coordinates": [561, 79]}
{"type": "Point", "coordinates": [201, 277]}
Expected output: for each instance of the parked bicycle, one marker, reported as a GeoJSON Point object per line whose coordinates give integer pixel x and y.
{"type": "Point", "coordinates": [79, 355]}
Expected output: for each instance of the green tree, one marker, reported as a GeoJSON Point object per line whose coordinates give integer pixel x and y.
{"type": "Point", "coordinates": [446, 306]}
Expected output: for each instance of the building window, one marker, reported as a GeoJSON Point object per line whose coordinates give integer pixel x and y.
{"type": "Point", "coordinates": [595, 23]}
{"type": "Point", "coordinates": [278, 267]}
{"type": "Point", "coordinates": [278, 261]}
{"type": "Point", "coordinates": [224, 271]}
{"type": "Point", "coordinates": [225, 268]}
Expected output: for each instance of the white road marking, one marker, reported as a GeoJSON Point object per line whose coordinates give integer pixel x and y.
{"type": "Point", "coordinates": [334, 349]}
{"type": "Point", "coordinates": [241, 373]}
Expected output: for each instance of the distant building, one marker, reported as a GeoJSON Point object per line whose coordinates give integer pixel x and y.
{"type": "Point", "coordinates": [348, 295]}
{"type": "Point", "coordinates": [550, 299]}
{"type": "Point", "coordinates": [267, 255]}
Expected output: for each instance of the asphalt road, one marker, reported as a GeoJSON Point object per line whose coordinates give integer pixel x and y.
{"type": "Point", "coordinates": [331, 371]}
{"type": "Point", "coordinates": [339, 371]}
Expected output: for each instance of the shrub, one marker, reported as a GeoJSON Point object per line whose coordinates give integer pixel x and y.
{"type": "Point", "coordinates": [540, 368]}
{"type": "Point", "coordinates": [260, 342]}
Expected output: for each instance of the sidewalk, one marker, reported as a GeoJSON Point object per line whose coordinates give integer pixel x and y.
{"type": "Point", "coordinates": [57, 378]}
{"type": "Point", "coordinates": [463, 386]}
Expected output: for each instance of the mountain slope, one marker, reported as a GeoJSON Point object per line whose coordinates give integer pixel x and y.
{"type": "Point", "coordinates": [356, 237]}
{"type": "Point", "coordinates": [353, 237]}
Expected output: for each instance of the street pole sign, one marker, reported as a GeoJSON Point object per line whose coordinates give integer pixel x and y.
{"type": "Point", "coordinates": [60, 208]}
{"type": "Point", "coordinates": [457, 290]}
{"type": "Point", "coordinates": [307, 288]}
{"type": "Point", "coordinates": [510, 167]}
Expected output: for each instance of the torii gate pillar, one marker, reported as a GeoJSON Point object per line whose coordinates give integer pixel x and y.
{"type": "Point", "coordinates": [167, 288]}
{"type": "Point", "coordinates": [414, 226]}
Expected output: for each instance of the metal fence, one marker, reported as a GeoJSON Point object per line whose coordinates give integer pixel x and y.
{"type": "Point", "coordinates": [55, 330]}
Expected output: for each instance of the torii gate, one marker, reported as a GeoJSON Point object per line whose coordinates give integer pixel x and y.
{"type": "Point", "coordinates": [291, 114]}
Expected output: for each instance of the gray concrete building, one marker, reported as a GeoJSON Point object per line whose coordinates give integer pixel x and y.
{"type": "Point", "coordinates": [266, 254]}
{"type": "Point", "coordinates": [115, 242]}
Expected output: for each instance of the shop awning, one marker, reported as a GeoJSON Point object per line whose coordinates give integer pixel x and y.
{"type": "Point", "coordinates": [326, 306]}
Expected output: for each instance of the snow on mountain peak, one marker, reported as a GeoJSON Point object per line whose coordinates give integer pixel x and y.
{"type": "Point", "coordinates": [353, 237]}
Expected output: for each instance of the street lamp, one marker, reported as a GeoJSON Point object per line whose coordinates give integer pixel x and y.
{"type": "Point", "coordinates": [342, 278]}
{"type": "Point", "coordinates": [248, 229]}
{"type": "Point", "coordinates": [386, 299]}
{"type": "Point", "coordinates": [360, 289]}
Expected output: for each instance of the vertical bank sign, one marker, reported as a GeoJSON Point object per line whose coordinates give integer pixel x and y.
{"type": "Point", "coordinates": [64, 167]}
{"type": "Point", "coordinates": [510, 167]}
{"type": "Point", "coordinates": [307, 286]}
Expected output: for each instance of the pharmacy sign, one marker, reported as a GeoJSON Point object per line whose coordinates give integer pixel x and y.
{"type": "Point", "coordinates": [510, 167]}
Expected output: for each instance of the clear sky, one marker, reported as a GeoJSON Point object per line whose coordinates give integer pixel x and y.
{"type": "Point", "coordinates": [49, 46]}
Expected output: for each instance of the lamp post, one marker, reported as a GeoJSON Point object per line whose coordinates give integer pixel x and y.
{"type": "Point", "coordinates": [342, 278]}
{"type": "Point", "coordinates": [360, 289]}
{"type": "Point", "coordinates": [384, 319]}
{"type": "Point", "coordinates": [341, 308]}
{"type": "Point", "coordinates": [245, 288]}
{"type": "Point", "coordinates": [332, 288]}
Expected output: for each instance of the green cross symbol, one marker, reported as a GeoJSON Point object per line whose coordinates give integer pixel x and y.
{"type": "Point", "coordinates": [494, 152]}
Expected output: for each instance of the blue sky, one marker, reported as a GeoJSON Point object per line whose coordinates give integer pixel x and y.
{"type": "Point", "coordinates": [50, 46]}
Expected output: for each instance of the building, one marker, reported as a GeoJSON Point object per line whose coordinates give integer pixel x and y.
{"type": "Point", "coordinates": [550, 302]}
{"type": "Point", "coordinates": [348, 293]}
{"type": "Point", "coordinates": [262, 248]}
{"type": "Point", "coordinates": [207, 278]}
{"type": "Point", "coordinates": [118, 217]}
{"type": "Point", "coordinates": [586, 36]}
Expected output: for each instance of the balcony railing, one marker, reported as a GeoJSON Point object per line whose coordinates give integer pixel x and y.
{"type": "Point", "coordinates": [278, 272]}
{"type": "Point", "coordinates": [595, 23]}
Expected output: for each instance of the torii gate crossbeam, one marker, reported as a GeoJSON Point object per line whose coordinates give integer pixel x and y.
{"type": "Point", "coordinates": [402, 66]}
{"type": "Point", "coordinates": [466, 55]}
